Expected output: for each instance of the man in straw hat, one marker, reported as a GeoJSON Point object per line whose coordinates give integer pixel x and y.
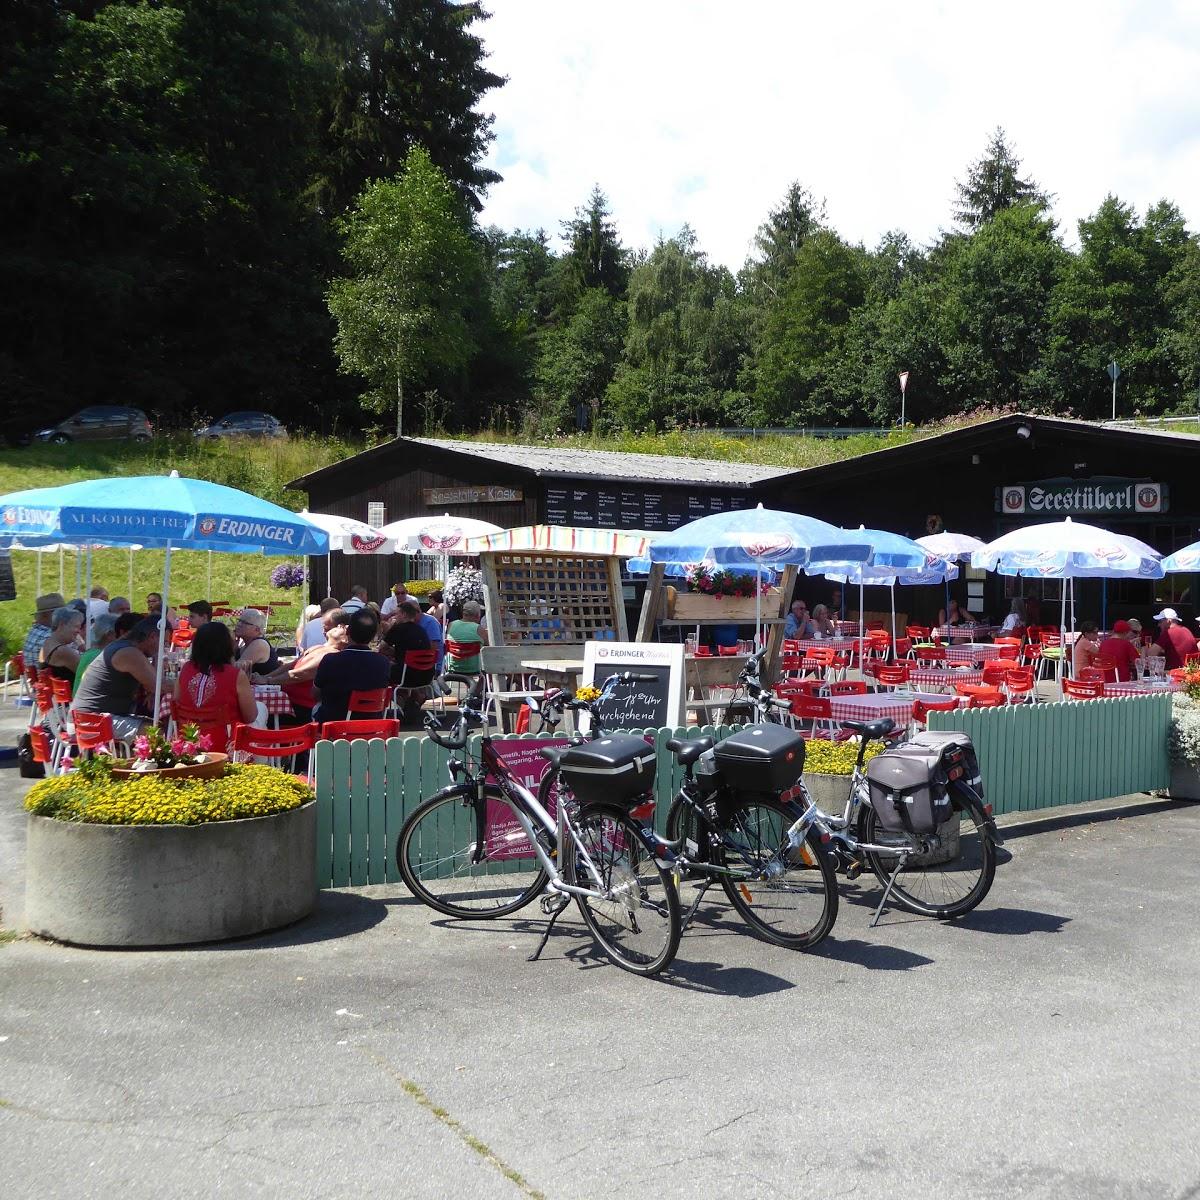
{"type": "Point", "coordinates": [39, 631]}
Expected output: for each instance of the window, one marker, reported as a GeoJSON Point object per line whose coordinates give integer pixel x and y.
{"type": "Point", "coordinates": [376, 514]}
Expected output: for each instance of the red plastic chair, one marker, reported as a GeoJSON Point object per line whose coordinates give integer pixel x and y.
{"type": "Point", "coordinates": [39, 744]}
{"type": "Point", "coordinates": [922, 708]}
{"type": "Point", "coordinates": [1074, 690]}
{"type": "Point", "coordinates": [918, 633]}
{"type": "Point", "coordinates": [461, 650]}
{"type": "Point", "coordinates": [996, 673]}
{"type": "Point", "coordinates": [902, 648]}
{"type": "Point", "coordinates": [218, 724]}
{"type": "Point", "coordinates": [274, 743]}
{"type": "Point", "coordinates": [351, 731]}
{"type": "Point", "coordinates": [373, 701]}
{"type": "Point", "coordinates": [727, 651]}
{"type": "Point", "coordinates": [799, 687]}
{"type": "Point", "coordinates": [1010, 653]}
{"type": "Point", "coordinates": [417, 660]}
{"type": "Point", "coordinates": [94, 733]}
{"type": "Point", "coordinates": [1020, 684]}
{"type": "Point", "coordinates": [848, 687]}
{"type": "Point", "coordinates": [895, 675]}
{"type": "Point", "coordinates": [701, 651]}
{"type": "Point", "coordinates": [816, 710]}
{"type": "Point", "coordinates": [931, 654]}
{"type": "Point", "coordinates": [987, 700]}
{"type": "Point", "coordinates": [1089, 675]}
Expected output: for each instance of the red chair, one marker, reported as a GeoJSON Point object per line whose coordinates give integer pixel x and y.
{"type": "Point", "coordinates": [1089, 675]}
{"type": "Point", "coordinates": [902, 648]}
{"type": "Point", "coordinates": [218, 724]}
{"type": "Point", "coordinates": [14, 669]}
{"type": "Point", "coordinates": [996, 673]}
{"type": "Point", "coordinates": [352, 731]}
{"type": "Point", "coordinates": [417, 660]}
{"type": "Point", "coordinates": [895, 675]}
{"type": "Point", "coordinates": [374, 701]}
{"type": "Point", "coordinates": [1074, 690]}
{"type": "Point", "coordinates": [918, 633]}
{"type": "Point", "coordinates": [39, 744]}
{"type": "Point", "coordinates": [274, 743]}
{"type": "Point", "coordinates": [462, 650]}
{"type": "Point", "coordinates": [790, 664]}
{"type": "Point", "coordinates": [1009, 653]}
{"type": "Point", "coordinates": [701, 651]}
{"type": "Point", "coordinates": [727, 651]}
{"type": "Point", "coordinates": [815, 710]}
{"type": "Point", "coordinates": [973, 690]}
{"type": "Point", "coordinates": [931, 654]}
{"type": "Point", "coordinates": [922, 708]}
{"type": "Point", "coordinates": [987, 700]}
{"type": "Point", "coordinates": [1108, 668]}
{"type": "Point", "coordinates": [94, 733]}
{"type": "Point", "coordinates": [848, 687]}
{"type": "Point", "coordinates": [1020, 684]}
{"type": "Point", "coordinates": [799, 687]}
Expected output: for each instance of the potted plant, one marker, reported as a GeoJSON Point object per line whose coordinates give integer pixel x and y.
{"type": "Point", "coordinates": [718, 593]}
{"type": "Point", "coordinates": [144, 858]}
{"type": "Point", "coordinates": [1184, 739]}
{"type": "Point", "coordinates": [188, 756]}
{"type": "Point", "coordinates": [463, 583]}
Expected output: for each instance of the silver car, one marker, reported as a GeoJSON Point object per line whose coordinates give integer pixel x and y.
{"type": "Point", "coordinates": [243, 424]}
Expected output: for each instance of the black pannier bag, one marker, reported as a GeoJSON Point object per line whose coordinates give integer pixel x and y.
{"type": "Point", "coordinates": [610, 770]}
{"type": "Point", "coordinates": [910, 784]}
{"type": "Point", "coordinates": [947, 743]}
{"type": "Point", "coordinates": [761, 758]}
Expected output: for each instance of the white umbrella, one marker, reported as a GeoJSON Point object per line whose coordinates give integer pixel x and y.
{"type": "Point", "coordinates": [1069, 550]}
{"type": "Point", "coordinates": [350, 536]}
{"type": "Point", "coordinates": [955, 546]}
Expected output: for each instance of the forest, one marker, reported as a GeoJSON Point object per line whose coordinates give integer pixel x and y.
{"type": "Point", "coordinates": [217, 204]}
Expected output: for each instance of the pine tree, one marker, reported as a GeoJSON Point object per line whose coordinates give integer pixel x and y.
{"type": "Point", "coordinates": [993, 184]}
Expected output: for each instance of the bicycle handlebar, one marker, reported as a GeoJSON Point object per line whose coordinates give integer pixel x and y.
{"type": "Point", "coordinates": [457, 735]}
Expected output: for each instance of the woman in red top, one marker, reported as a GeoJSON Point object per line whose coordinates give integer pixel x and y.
{"type": "Point", "coordinates": [210, 689]}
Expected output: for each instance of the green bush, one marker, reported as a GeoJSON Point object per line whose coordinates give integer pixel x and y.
{"type": "Point", "coordinates": [96, 798]}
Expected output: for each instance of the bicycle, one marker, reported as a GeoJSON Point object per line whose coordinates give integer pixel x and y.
{"type": "Point", "coordinates": [753, 703]}
{"type": "Point", "coordinates": [766, 851]}
{"type": "Point", "coordinates": [485, 846]}
{"type": "Point", "coordinates": [944, 889]}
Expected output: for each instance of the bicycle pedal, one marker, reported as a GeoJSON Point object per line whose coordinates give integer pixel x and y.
{"type": "Point", "coordinates": [854, 869]}
{"type": "Point", "coordinates": [553, 904]}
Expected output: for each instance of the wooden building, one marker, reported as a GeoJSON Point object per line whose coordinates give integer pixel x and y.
{"type": "Point", "coordinates": [983, 479]}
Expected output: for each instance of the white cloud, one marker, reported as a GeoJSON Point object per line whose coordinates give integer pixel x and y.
{"type": "Point", "coordinates": [704, 112]}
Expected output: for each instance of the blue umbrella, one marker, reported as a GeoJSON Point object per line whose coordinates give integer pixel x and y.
{"type": "Point", "coordinates": [164, 511]}
{"type": "Point", "coordinates": [1187, 559]}
{"type": "Point", "coordinates": [756, 539]}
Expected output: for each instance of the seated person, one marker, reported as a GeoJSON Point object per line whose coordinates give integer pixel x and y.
{"type": "Point", "coordinates": [114, 677]}
{"type": "Point", "coordinates": [1086, 649]}
{"type": "Point", "coordinates": [154, 606]}
{"type": "Point", "coordinates": [1014, 623]}
{"type": "Point", "coordinates": [297, 679]}
{"type": "Point", "coordinates": [408, 633]}
{"type": "Point", "coordinates": [255, 654]}
{"type": "Point", "coordinates": [465, 631]}
{"type": "Point", "coordinates": [60, 651]}
{"type": "Point", "coordinates": [119, 606]}
{"type": "Point", "coordinates": [798, 623]}
{"type": "Point", "coordinates": [954, 615]}
{"type": "Point", "coordinates": [356, 668]}
{"type": "Point", "coordinates": [395, 598]}
{"type": "Point", "coordinates": [1174, 643]}
{"type": "Point", "coordinates": [211, 687]}
{"type": "Point", "coordinates": [358, 598]}
{"type": "Point", "coordinates": [104, 630]}
{"type": "Point", "coordinates": [433, 631]}
{"type": "Point", "coordinates": [310, 612]}
{"type": "Point", "coordinates": [822, 623]}
{"type": "Point", "coordinates": [1121, 650]}
{"type": "Point", "coordinates": [39, 631]}
{"type": "Point", "coordinates": [199, 612]}
{"type": "Point", "coordinates": [315, 628]}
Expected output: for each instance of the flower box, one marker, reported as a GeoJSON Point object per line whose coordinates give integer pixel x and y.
{"type": "Point", "coordinates": [696, 606]}
{"type": "Point", "coordinates": [211, 768]}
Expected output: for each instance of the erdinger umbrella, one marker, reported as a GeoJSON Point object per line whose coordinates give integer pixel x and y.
{"type": "Point", "coordinates": [759, 540]}
{"type": "Point", "coordinates": [1069, 550]}
{"type": "Point", "coordinates": [162, 511]}
{"type": "Point", "coordinates": [956, 546]}
{"type": "Point", "coordinates": [1187, 559]}
{"type": "Point", "coordinates": [936, 571]}
{"type": "Point", "coordinates": [438, 536]}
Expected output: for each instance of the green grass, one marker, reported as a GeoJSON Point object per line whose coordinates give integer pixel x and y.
{"type": "Point", "coordinates": [260, 468]}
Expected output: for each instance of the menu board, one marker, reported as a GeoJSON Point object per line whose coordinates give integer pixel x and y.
{"type": "Point", "coordinates": [607, 509]}
{"type": "Point", "coordinates": [676, 513]}
{"type": "Point", "coordinates": [583, 507]}
{"type": "Point", "coordinates": [717, 504]}
{"type": "Point", "coordinates": [697, 507]}
{"type": "Point", "coordinates": [652, 506]}
{"type": "Point", "coordinates": [558, 511]}
{"type": "Point", "coordinates": [651, 702]}
{"type": "Point", "coordinates": [631, 510]}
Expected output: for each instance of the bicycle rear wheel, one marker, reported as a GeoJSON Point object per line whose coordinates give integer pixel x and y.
{"type": "Point", "coordinates": [943, 890]}
{"type": "Point", "coordinates": [787, 896]}
{"type": "Point", "coordinates": [435, 850]}
{"type": "Point", "coordinates": [637, 922]}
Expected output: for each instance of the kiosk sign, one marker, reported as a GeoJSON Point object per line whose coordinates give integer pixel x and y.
{"type": "Point", "coordinates": [1064, 497]}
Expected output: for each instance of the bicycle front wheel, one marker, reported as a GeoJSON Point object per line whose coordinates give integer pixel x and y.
{"type": "Point", "coordinates": [787, 896]}
{"type": "Point", "coordinates": [436, 850]}
{"type": "Point", "coordinates": [947, 889]}
{"type": "Point", "coordinates": [636, 919]}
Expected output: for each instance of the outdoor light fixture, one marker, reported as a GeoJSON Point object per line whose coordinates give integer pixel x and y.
{"type": "Point", "coordinates": [974, 460]}
{"type": "Point", "coordinates": [1023, 431]}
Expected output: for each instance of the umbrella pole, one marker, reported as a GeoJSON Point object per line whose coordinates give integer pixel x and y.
{"type": "Point", "coordinates": [38, 589]}
{"type": "Point", "coordinates": [892, 591]}
{"type": "Point", "coordinates": [757, 604]}
{"type": "Point", "coordinates": [861, 630]}
{"type": "Point", "coordinates": [162, 637]}
{"type": "Point", "coordinates": [1062, 636]}
{"type": "Point", "coordinates": [1104, 604]}
{"type": "Point", "coordinates": [328, 573]}
{"type": "Point", "coordinates": [130, 595]}
{"type": "Point", "coordinates": [208, 579]}
{"type": "Point", "coordinates": [87, 602]}
{"type": "Point", "coordinates": [78, 571]}
{"type": "Point", "coordinates": [60, 571]}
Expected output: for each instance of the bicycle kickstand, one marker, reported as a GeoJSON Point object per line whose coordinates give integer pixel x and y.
{"type": "Point", "coordinates": [887, 891]}
{"type": "Point", "coordinates": [559, 909]}
{"type": "Point", "coordinates": [691, 912]}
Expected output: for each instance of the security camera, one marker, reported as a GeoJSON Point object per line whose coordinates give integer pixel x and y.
{"type": "Point", "coordinates": [1023, 431]}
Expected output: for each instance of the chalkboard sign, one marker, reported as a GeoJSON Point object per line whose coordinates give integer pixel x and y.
{"type": "Point", "coordinates": [607, 507]}
{"type": "Point", "coordinates": [645, 704]}
{"type": "Point", "coordinates": [653, 510]}
{"type": "Point", "coordinates": [631, 510]}
{"type": "Point", "coordinates": [697, 507]}
{"type": "Point", "coordinates": [8, 587]}
{"type": "Point", "coordinates": [583, 507]}
{"type": "Point", "coordinates": [557, 507]}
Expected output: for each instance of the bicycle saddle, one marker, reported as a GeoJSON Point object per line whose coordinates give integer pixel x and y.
{"type": "Point", "coordinates": [871, 729]}
{"type": "Point", "coordinates": [553, 754]}
{"type": "Point", "coordinates": [688, 751]}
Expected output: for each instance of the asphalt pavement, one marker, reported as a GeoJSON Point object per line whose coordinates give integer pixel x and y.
{"type": "Point", "coordinates": [1045, 1046]}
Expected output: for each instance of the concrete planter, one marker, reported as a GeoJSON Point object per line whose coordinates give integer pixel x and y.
{"type": "Point", "coordinates": [829, 794]}
{"type": "Point", "coordinates": [161, 885]}
{"type": "Point", "coordinates": [1185, 782]}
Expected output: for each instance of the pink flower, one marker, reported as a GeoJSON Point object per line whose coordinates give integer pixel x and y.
{"type": "Point", "coordinates": [141, 747]}
{"type": "Point", "coordinates": [177, 746]}
{"type": "Point", "coordinates": [205, 741]}
{"type": "Point", "coordinates": [190, 748]}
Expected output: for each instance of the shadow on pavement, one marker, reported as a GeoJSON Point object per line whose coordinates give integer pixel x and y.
{"type": "Point", "coordinates": [1009, 921]}
{"type": "Point", "coordinates": [337, 915]}
{"type": "Point", "coordinates": [870, 956]}
{"type": "Point", "coordinates": [716, 979]}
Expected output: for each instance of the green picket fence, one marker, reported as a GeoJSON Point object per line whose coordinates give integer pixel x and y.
{"type": "Point", "coordinates": [1032, 756]}
{"type": "Point", "coordinates": [1041, 755]}
{"type": "Point", "coordinates": [366, 789]}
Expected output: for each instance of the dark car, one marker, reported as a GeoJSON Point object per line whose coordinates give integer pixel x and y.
{"type": "Point", "coordinates": [99, 422]}
{"type": "Point", "coordinates": [244, 424]}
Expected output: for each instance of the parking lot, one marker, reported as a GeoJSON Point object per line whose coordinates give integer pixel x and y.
{"type": "Point", "coordinates": [1045, 1046]}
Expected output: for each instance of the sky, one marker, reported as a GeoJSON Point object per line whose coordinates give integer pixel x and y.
{"type": "Point", "coordinates": [703, 113]}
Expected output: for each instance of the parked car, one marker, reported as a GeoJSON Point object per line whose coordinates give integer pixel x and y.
{"type": "Point", "coordinates": [244, 424]}
{"type": "Point", "coordinates": [98, 422]}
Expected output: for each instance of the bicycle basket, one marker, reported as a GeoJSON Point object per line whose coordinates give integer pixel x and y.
{"type": "Point", "coordinates": [909, 789]}
{"type": "Point", "coordinates": [611, 770]}
{"type": "Point", "coordinates": [762, 758]}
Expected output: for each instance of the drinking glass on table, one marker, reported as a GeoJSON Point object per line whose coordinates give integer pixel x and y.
{"type": "Point", "coordinates": [1139, 667]}
{"type": "Point", "coordinates": [689, 644]}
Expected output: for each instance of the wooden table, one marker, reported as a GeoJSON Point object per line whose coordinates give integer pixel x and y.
{"type": "Point", "coordinates": [555, 672]}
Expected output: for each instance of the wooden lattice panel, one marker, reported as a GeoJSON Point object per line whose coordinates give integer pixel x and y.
{"type": "Point", "coordinates": [537, 591]}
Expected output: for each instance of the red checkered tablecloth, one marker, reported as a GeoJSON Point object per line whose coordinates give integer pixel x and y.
{"type": "Point", "coordinates": [1134, 688]}
{"type": "Point", "coordinates": [943, 677]}
{"type": "Point", "coordinates": [874, 705]}
{"type": "Point", "coordinates": [274, 700]}
{"type": "Point", "coordinates": [972, 652]}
